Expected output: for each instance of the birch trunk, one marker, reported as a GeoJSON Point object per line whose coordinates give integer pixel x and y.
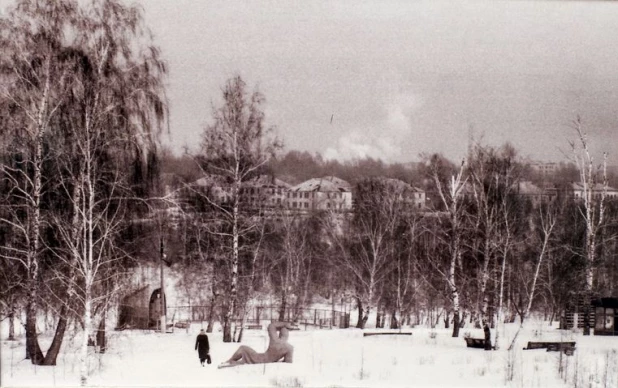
{"type": "Point", "coordinates": [585, 163]}
{"type": "Point", "coordinates": [548, 227]}
{"type": "Point", "coordinates": [499, 318]}
{"type": "Point", "coordinates": [484, 280]}
{"type": "Point", "coordinates": [451, 199]}
{"type": "Point", "coordinates": [230, 311]}
{"type": "Point", "coordinates": [33, 350]}
{"type": "Point", "coordinates": [454, 290]}
{"type": "Point", "coordinates": [83, 359]}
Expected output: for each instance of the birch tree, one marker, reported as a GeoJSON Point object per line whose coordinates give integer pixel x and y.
{"type": "Point", "coordinates": [33, 85]}
{"type": "Point", "coordinates": [119, 110]}
{"type": "Point", "coordinates": [547, 221]}
{"type": "Point", "coordinates": [76, 81]}
{"type": "Point", "coordinates": [291, 262]}
{"type": "Point", "coordinates": [495, 174]}
{"type": "Point", "coordinates": [451, 195]}
{"type": "Point", "coordinates": [367, 255]}
{"type": "Point", "coordinates": [593, 182]}
{"type": "Point", "coordinates": [235, 146]}
{"type": "Point", "coordinates": [404, 280]}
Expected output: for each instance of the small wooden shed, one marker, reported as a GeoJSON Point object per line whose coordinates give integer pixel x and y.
{"type": "Point", "coordinates": [606, 316]}
{"type": "Point", "coordinates": [141, 309]}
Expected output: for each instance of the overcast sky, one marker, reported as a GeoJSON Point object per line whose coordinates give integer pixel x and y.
{"type": "Point", "coordinates": [398, 78]}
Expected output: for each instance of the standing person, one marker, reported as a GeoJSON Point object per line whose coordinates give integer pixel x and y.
{"type": "Point", "coordinates": [278, 348]}
{"type": "Point", "coordinates": [203, 347]}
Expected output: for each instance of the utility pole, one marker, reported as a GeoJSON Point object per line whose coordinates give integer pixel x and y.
{"type": "Point", "coordinates": [162, 293]}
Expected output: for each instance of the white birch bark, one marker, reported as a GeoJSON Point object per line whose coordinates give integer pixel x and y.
{"type": "Point", "coordinates": [548, 222]}
{"type": "Point", "coordinates": [451, 200]}
{"type": "Point", "coordinates": [594, 221]}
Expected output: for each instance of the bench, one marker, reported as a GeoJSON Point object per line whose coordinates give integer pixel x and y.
{"type": "Point", "coordinates": [181, 324]}
{"type": "Point", "coordinates": [386, 333]}
{"type": "Point", "coordinates": [567, 348]}
{"type": "Point", "coordinates": [478, 343]}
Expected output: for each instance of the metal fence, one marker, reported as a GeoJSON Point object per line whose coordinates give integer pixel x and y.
{"type": "Point", "coordinates": [262, 315]}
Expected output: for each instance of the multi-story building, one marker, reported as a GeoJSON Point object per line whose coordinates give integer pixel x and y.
{"type": "Point", "coordinates": [544, 168]}
{"type": "Point", "coordinates": [264, 191]}
{"type": "Point", "coordinates": [212, 187]}
{"type": "Point", "coordinates": [412, 196]}
{"type": "Point", "coordinates": [597, 191]}
{"type": "Point", "coordinates": [536, 194]}
{"type": "Point", "coordinates": [327, 193]}
{"type": "Point", "coordinates": [418, 197]}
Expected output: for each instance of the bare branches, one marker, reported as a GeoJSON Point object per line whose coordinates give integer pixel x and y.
{"type": "Point", "coordinates": [593, 196]}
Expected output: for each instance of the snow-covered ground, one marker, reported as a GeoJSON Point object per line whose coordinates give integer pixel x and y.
{"type": "Point", "coordinates": [329, 358]}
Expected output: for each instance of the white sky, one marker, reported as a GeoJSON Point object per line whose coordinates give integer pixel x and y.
{"type": "Point", "coordinates": [398, 77]}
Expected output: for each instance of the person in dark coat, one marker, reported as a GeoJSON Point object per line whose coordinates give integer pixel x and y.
{"type": "Point", "coordinates": [203, 347]}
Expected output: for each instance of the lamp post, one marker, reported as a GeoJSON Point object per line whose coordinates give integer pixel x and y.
{"type": "Point", "coordinates": [162, 293]}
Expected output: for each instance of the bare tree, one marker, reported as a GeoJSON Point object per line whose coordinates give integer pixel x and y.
{"type": "Point", "coordinates": [108, 130]}
{"type": "Point", "coordinates": [235, 147]}
{"type": "Point", "coordinates": [291, 263]}
{"type": "Point", "coordinates": [594, 195]}
{"type": "Point", "coordinates": [72, 80]}
{"type": "Point", "coordinates": [368, 251]}
{"type": "Point", "coordinates": [484, 166]}
{"type": "Point", "coordinates": [406, 282]}
{"type": "Point", "coordinates": [34, 80]}
{"type": "Point", "coordinates": [451, 197]}
{"type": "Point", "coordinates": [547, 221]}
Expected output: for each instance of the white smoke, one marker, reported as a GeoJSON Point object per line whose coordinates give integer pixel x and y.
{"type": "Point", "coordinates": [386, 144]}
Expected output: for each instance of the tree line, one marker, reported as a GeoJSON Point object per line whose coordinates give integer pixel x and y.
{"type": "Point", "coordinates": [486, 253]}
{"type": "Point", "coordinates": [82, 106]}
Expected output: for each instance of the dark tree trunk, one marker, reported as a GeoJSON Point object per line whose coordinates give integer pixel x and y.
{"type": "Point", "coordinates": [456, 324]}
{"type": "Point", "coordinates": [227, 329]}
{"type": "Point", "coordinates": [586, 321]}
{"type": "Point", "coordinates": [12, 323]}
{"type": "Point", "coordinates": [33, 350]}
{"type": "Point", "coordinates": [447, 319]}
{"type": "Point", "coordinates": [211, 314]}
{"type": "Point", "coordinates": [101, 338]}
{"type": "Point", "coordinates": [586, 306]}
{"type": "Point", "coordinates": [234, 333]}
{"type": "Point", "coordinates": [282, 308]}
{"type": "Point", "coordinates": [394, 322]}
{"type": "Point", "coordinates": [359, 322]}
{"type": "Point", "coordinates": [487, 337]}
{"type": "Point", "coordinates": [54, 349]}
{"type": "Point", "coordinates": [364, 321]}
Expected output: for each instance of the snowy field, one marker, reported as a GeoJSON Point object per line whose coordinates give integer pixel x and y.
{"type": "Point", "coordinates": [328, 358]}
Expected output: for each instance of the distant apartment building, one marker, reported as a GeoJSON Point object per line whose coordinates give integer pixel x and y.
{"type": "Point", "coordinates": [410, 195]}
{"type": "Point", "coordinates": [537, 195]}
{"type": "Point", "coordinates": [214, 187]}
{"type": "Point", "coordinates": [597, 191]}
{"type": "Point", "coordinates": [418, 197]}
{"type": "Point", "coordinates": [327, 193]}
{"type": "Point", "coordinates": [544, 168]}
{"type": "Point", "coordinates": [264, 191]}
